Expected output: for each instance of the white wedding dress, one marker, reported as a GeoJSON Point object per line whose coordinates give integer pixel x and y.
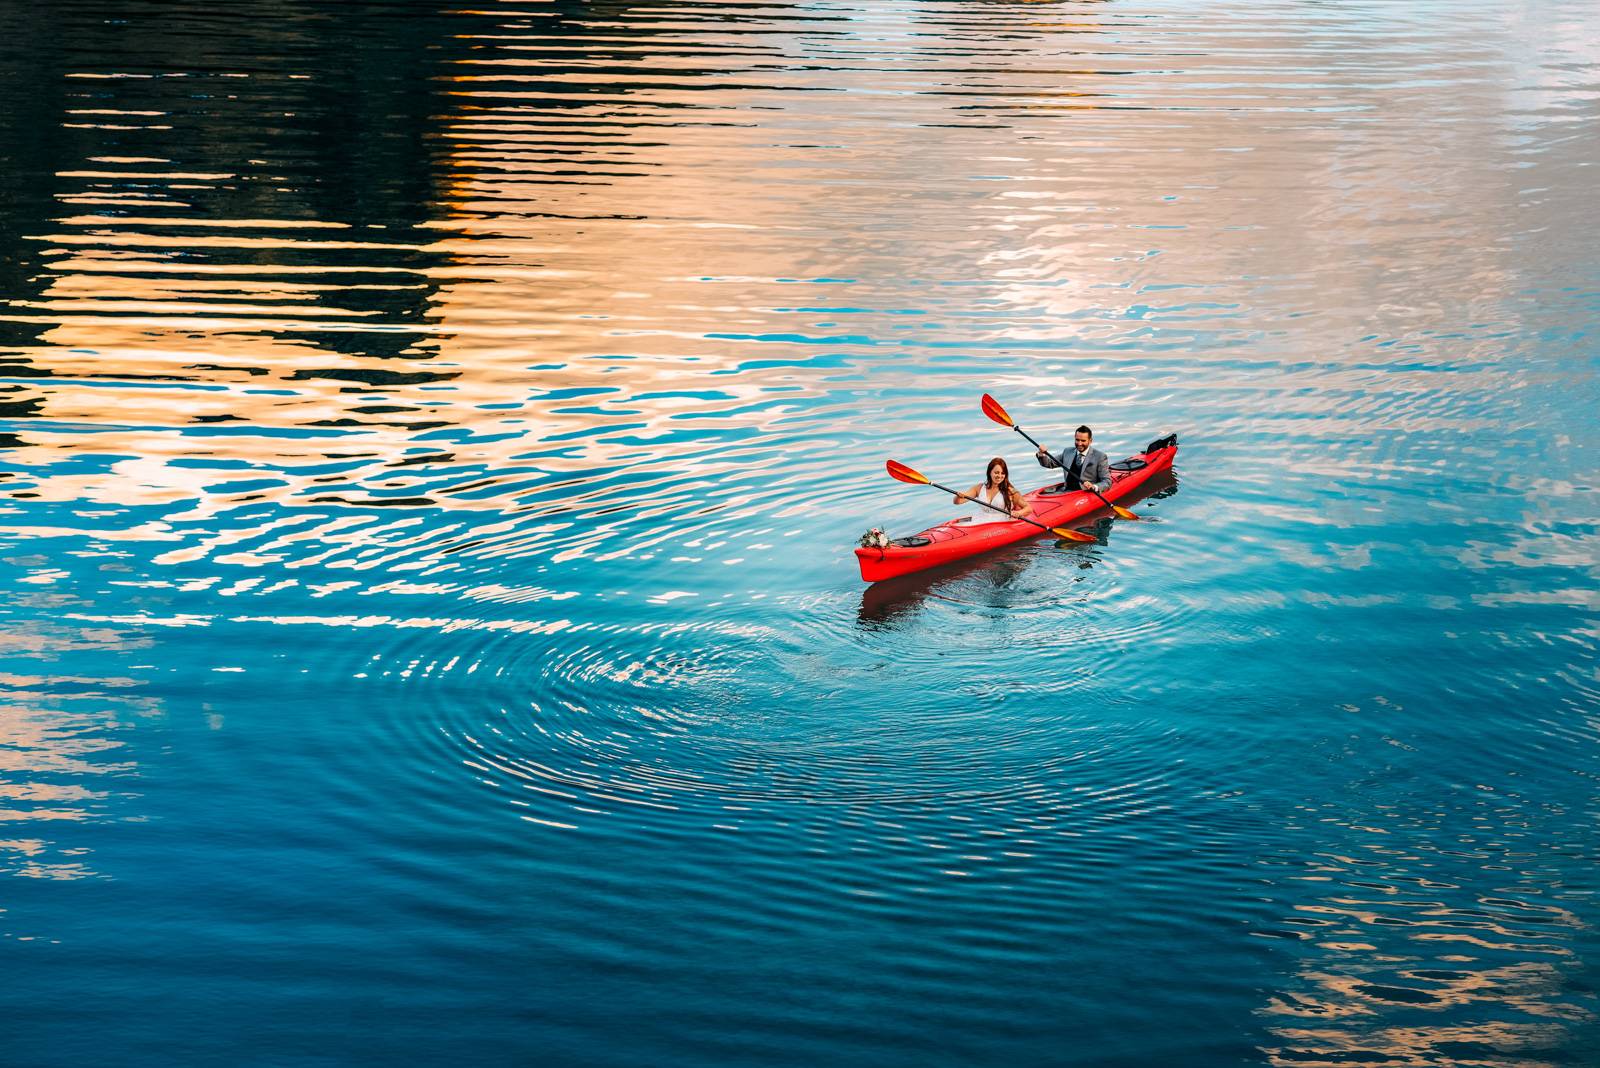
{"type": "Point", "coordinates": [986, 517]}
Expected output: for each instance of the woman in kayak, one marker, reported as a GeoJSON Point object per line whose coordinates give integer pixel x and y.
{"type": "Point", "coordinates": [997, 490]}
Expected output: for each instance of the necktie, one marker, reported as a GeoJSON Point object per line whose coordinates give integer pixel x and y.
{"type": "Point", "coordinates": [1074, 477]}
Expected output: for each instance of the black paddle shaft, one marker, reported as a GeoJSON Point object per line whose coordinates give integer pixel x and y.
{"type": "Point", "coordinates": [1024, 433]}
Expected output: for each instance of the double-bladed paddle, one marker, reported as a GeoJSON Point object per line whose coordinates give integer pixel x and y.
{"type": "Point", "coordinates": [993, 410]}
{"type": "Point", "coordinates": [902, 473]}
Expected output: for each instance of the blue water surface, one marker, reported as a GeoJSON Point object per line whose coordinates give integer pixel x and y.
{"type": "Point", "coordinates": [434, 440]}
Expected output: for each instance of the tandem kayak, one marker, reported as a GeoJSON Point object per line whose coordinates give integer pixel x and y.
{"type": "Point", "coordinates": [1052, 505]}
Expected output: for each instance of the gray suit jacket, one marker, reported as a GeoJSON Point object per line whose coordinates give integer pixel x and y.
{"type": "Point", "coordinates": [1096, 468]}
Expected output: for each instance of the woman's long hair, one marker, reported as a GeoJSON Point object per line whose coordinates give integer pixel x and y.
{"type": "Point", "coordinates": [1008, 492]}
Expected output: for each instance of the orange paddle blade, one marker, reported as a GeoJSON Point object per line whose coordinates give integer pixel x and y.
{"type": "Point", "coordinates": [1122, 513]}
{"type": "Point", "coordinates": [1069, 534]}
{"type": "Point", "coordinates": [993, 410]}
{"type": "Point", "coordinates": [902, 473]}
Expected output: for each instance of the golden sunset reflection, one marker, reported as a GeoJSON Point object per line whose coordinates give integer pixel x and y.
{"type": "Point", "coordinates": [584, 272]}
{"type": "Point", "coordinates": [59, 749]}
{"type": "Point", "coordinates": [1408, 953]}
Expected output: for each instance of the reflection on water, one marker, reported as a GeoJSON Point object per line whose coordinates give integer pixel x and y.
{"type": "Point", "coordinates": [434, 437]}
{"type": "Point", "coordinates": [62, 758]}
{"type": "Point", "coordinates": [1433, 951]}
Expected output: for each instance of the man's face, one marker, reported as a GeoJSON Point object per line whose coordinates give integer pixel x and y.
{"type": "Point", "coordinates": [1082, 440]}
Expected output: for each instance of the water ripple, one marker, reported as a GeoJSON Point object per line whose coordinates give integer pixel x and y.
{"type": "Point", "coordinates": [435, 442]}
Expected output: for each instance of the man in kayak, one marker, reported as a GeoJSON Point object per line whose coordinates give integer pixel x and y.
{"type": "Point", "coordinates": [1085, 467]}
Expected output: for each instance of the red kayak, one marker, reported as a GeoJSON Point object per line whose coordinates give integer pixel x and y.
{"type": "Point", "coordinates": [1052, 506]}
